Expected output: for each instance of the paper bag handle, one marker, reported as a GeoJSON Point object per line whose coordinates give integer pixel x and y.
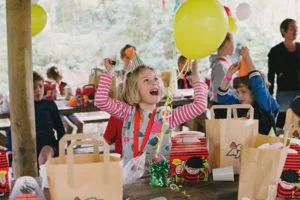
{"type": "Point", "coordinates": [70, 158]}
{"type": "Point", "coordinates": [234, 108]}
{"type": "Point", "coordinates": [88, 86]}
{"type": "Point", "coordinates": [94, 70]}
{"type": "Point", "coordinates": [287, 131]}
{"type": "Point", "coordinates": [69, 137]}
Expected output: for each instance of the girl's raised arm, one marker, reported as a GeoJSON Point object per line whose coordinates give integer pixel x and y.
{"type": "Point", "coordinates": [116, 108]}
{"type": "Point", "coordinates": [187, 112]}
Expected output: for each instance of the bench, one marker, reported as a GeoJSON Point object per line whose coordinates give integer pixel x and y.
{"type": "Point", "coordinates": [94, 117]}
{"type": "Point", "coordinates": [4, 124]}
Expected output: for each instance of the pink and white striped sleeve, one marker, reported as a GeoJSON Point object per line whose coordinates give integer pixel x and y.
{"type": "Point", "coordinates": [190, 111]}
{"type": "Point", "coordinates": [116, 108]}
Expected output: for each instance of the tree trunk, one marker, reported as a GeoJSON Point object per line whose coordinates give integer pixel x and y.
{"type": "Point", "coordinates": [18, 16]}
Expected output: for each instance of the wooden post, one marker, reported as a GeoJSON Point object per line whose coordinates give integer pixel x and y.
{"type": "Point", "coordinates": [18, 19]}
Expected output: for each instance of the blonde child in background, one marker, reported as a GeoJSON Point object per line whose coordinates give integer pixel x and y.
{"type": "Point", "coordinates": [113, 131]}
{"type": "Point", "coordinates": [63, 89]}
{"type": "Point", "coordinates": [142, 119]}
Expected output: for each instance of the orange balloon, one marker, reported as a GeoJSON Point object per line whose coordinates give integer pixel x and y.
{"type": "Point", "coordinates": [129, 52]}
{"type": "Point", "coordinates": [244, 70]}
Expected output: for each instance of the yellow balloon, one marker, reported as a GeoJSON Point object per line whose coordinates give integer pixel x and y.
{"type": "Point", "coordinates": [232, 24]}
{"type": "Point", "coordinates": [200, 27]}
{"type": "Point", "coordinates": [38, 19]}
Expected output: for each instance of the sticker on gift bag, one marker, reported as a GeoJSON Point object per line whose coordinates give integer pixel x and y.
{"type": "Point", "coordinates": [4, 174]}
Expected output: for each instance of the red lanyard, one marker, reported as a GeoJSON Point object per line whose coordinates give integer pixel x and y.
{"type": "Point", "coordinates": [185, 82]}
{"type": "Point", "coordinates": [137, 120]}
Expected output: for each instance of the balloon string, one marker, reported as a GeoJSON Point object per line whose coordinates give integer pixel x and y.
{"type": "Point", "coordinates": [184, 69]}
{"type": "Point", "coordinates": [168, 104]}
{"type": "Point", "coordinates": [168, 108]}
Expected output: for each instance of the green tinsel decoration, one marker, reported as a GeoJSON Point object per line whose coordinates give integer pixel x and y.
{"type": "Point", "coordinates": [159, 174]}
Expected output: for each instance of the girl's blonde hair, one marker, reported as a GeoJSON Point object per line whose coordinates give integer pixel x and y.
{"type": "Point", "coordinates": [130, 92]}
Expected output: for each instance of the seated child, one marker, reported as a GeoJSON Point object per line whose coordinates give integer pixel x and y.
{"type": "Point", "coordinates": [55, 74]}
{"type": "Point", "coordinates": [251, 89]}
{"type": "Point", "coordinates": [113, 131]}
{"type": "Point", "coordinates": [49, 127]}
{"type": "Point", "coordinates": [142, 119]}
{"type": "Point", "coordinates": [183, 82]}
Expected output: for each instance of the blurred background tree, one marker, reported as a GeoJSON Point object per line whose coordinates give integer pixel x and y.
{"type": "Point", "coordinates": [80, 34]}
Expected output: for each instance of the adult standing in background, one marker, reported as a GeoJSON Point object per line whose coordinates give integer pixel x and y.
{"type": "Point", "coordinates": [284, 62]}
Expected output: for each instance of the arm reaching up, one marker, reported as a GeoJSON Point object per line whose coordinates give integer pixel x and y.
{"type": "Point", "coordinates": [232, 69]}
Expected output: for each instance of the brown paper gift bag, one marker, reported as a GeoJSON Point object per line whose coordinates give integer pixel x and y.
{"type": "Point", "coordinates": [292, 118]}
{"type": "Point", "coordinates": [95, 76]}
{"type": "Point", "coordinates": [84, 176]}
{"type": "Point", "coordinates": [225, 136]}
{"type": "Point", "coordinates": [261, 168]}
{"type": "Point", "coordinates": [166, 78]}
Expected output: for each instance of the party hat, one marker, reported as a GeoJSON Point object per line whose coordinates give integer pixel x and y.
{"type": "Point", "coordinates": [244, 70]}
{"type": "Point", "coordinates": [129, 52]}
{"type": "Point", "coordinates": [136, 60]}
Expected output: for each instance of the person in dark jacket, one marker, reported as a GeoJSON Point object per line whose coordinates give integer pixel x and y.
{"type": "Point", "coordinates": [284, 62]}
{"type": "Point", "coordinates": [48, 124]}
{"type": "Point", "coordinates": [251, 89]}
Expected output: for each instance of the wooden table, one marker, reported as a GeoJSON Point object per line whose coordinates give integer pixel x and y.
{"type": "Point", "coordinates": [67, 110]}
{"type": "Point", "coordinates": [98, 117]}
{"type": "Point", "coordinates": [4, 115]}
{"type": "Point", "coordinates": [193, 191]}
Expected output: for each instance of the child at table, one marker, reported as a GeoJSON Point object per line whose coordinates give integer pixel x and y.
{"type": "Point", "coordinates": [63, 89]}
{"type": "Point", "coordinates": [113, 131]}
{"type": "Point", "coordinates": [142, 119]}
{"type": "Point", "coordinates": [49, 127]}
{"type": "Point", "coordinates": [251, 89]}
{"type": "Point", "coordinates": [182, 82]}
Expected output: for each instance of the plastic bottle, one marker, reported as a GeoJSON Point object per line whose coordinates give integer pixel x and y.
{"type": "Point", "coordinates": [78, 97]}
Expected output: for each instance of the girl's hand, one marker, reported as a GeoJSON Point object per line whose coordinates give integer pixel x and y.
{"type": "Point", "coordinates": [108, 65]}
{"type": "Point", "coordinates": [193, 78]}
{"type": "Point", "coordinates": [232, 69]}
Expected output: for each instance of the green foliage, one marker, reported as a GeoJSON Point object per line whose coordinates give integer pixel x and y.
{"type": "Point", "coordinates": [81, 33]}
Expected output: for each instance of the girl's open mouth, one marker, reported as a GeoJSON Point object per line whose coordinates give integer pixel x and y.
{"type": "Point", "coordinates": [154, 92]}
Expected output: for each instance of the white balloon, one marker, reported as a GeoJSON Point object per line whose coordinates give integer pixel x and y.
{"type": "Point", "coordinates": [243, 11]}
{"type": "Point", "coordinates": [34, 1]}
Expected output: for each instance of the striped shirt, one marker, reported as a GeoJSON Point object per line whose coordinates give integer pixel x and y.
{"type": "Point", "coordinates": [176, 117]}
